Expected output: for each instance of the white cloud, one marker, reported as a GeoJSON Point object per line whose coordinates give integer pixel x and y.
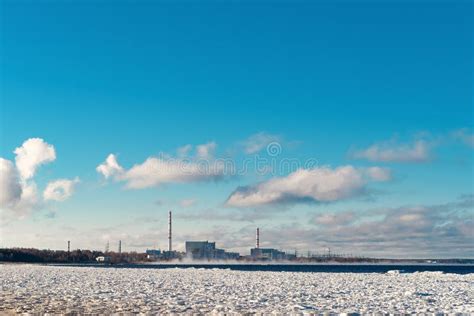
{"type": "Point", "coordinates": [318, 184]}
{"type": "Point", "coordinates": [259, 141]}
{"type": "Point", "coordinates": [29, 200]}
{"type": "Point", "coordinates": [60, 190]}
{"type": "Point", "coordinates": [419, 151]}
{"type": "Point", "coordinates": [10, 188]}
{"type": "Point", "coordinates": [187, 202]}
{"type": "Point", "coordinates": [33, 153]}
{"type": "Point", "coordinates": [110, 167]}
{"type": "Point", "coordinates": [18, 191]}
{"type": "Point", "coordinates": [155, 171]}
{"type": "Point", "coordinates": [18, 197]}
{"type": "Point", "coordinates": [379, 174]}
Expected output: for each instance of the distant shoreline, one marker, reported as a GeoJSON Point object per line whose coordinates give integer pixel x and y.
{"type": "Point", "coordinates": [273, 263]}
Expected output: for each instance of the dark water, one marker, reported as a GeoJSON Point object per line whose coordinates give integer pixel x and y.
{"type": "Point", "coordinates": [334, 268]}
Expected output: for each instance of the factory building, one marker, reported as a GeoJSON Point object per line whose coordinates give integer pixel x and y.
{"type": "Point", "coordinates": [267, 254]}
{"type": "Point", "coordinates": [258, 253]}
{"type": "Point", "coordinates": [200, 249]}
{"type": "Point", "coordinates": [205, 250]}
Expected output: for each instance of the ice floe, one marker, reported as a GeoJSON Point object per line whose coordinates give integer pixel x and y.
{"type": "Point", "coordinates": [54, 289]}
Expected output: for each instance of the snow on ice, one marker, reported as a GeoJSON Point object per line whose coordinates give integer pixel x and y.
{"type": "Point", "coordinates": [54, 289]}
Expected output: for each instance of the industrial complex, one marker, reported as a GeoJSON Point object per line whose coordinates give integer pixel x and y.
{"type": "Point", "coordinates": [207, 250]}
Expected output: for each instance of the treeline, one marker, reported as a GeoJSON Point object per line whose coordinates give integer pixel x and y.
{"type": "Point", "coordinates": [32, 255]}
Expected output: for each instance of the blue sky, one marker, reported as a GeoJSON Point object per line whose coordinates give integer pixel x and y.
{"type": "Point", "coordinates": [348, 84]}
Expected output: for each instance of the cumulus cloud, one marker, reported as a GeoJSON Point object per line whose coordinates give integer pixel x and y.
{"type": "Point", "coordinates": [60, 190]}
{"type": "Point", "coordinates": [418, 151]}
{"type": "Point", "coordinates": [33, 153]}
{"type": "Point", "coordinates": [10, 188]}
{"type": "Point", "coordinates": [259, 141]}
{"type": "Point", "coordinates": [110, 167]}
{"type": "Point", "coordinates": [155, 171]}
{"type": "Point", "coordinates": [17, 196]}
{"type": "Point", "coordinates": [29, 200]}
{"type": "Point", "coordinates": [18, 190]}
{"type": "Point", "coordinates": [319, 185]}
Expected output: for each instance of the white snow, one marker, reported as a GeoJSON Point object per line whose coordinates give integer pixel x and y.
{"type": "Point", "coordinates": [54, 289]}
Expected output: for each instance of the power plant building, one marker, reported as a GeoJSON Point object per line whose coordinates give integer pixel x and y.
{"type": "Point", "coordinates": [205, 250]}
{"type": "Point", "coordinates": [268, 254]}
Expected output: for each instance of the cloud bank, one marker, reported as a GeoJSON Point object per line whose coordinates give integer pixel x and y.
{"type": "Point", "coordinates": [413, 230]}
{"type": "Point", "coordinates": [317, 185]}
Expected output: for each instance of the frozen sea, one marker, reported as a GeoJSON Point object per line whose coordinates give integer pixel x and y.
{"type": "Point", "coordinates": [62, 289]}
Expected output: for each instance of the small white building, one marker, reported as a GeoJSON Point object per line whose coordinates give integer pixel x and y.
{"type": "Point", "coordinates": [102, 259]}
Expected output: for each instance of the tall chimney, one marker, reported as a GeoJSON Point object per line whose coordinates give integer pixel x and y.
{"type": "Point", "coordinates": [169, 232]}
{"type": "Point", "coordinates": [257, 245]}
{"type": "Point", "coordinates": [68, 246]}
{"type": "Point", "coordinates": [120, 247]}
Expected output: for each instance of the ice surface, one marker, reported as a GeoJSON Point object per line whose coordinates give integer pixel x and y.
{"type": "Point", "coordinates": [50, 289]}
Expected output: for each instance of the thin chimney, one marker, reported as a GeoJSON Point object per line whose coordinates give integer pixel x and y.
{"type": "Point", "coordinates": [120, 247]}
{"type": "Point", "coordinates": [169, 232]}
{"type": "Point", "coordinates": [257, 245]}
{"type": "Point", "coordinates": [68, 246]}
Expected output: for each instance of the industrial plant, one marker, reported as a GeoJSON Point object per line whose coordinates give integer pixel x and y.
{"type": "Point", "coordinates": [207, 250]}
{"type": "Point", "coordinates": [258, 253]}
{"type": "Point", "coordinates": [197, 250]}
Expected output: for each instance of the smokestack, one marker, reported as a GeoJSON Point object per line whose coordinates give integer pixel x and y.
{"type": "Point", "coordinates": [120, 247]}
{"type": "Point", "coordinates": [169, 232]}
{"type": "Point", "coordinates": [257, 244]}
{"type": "Point", "coordinates": [68, 246]}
